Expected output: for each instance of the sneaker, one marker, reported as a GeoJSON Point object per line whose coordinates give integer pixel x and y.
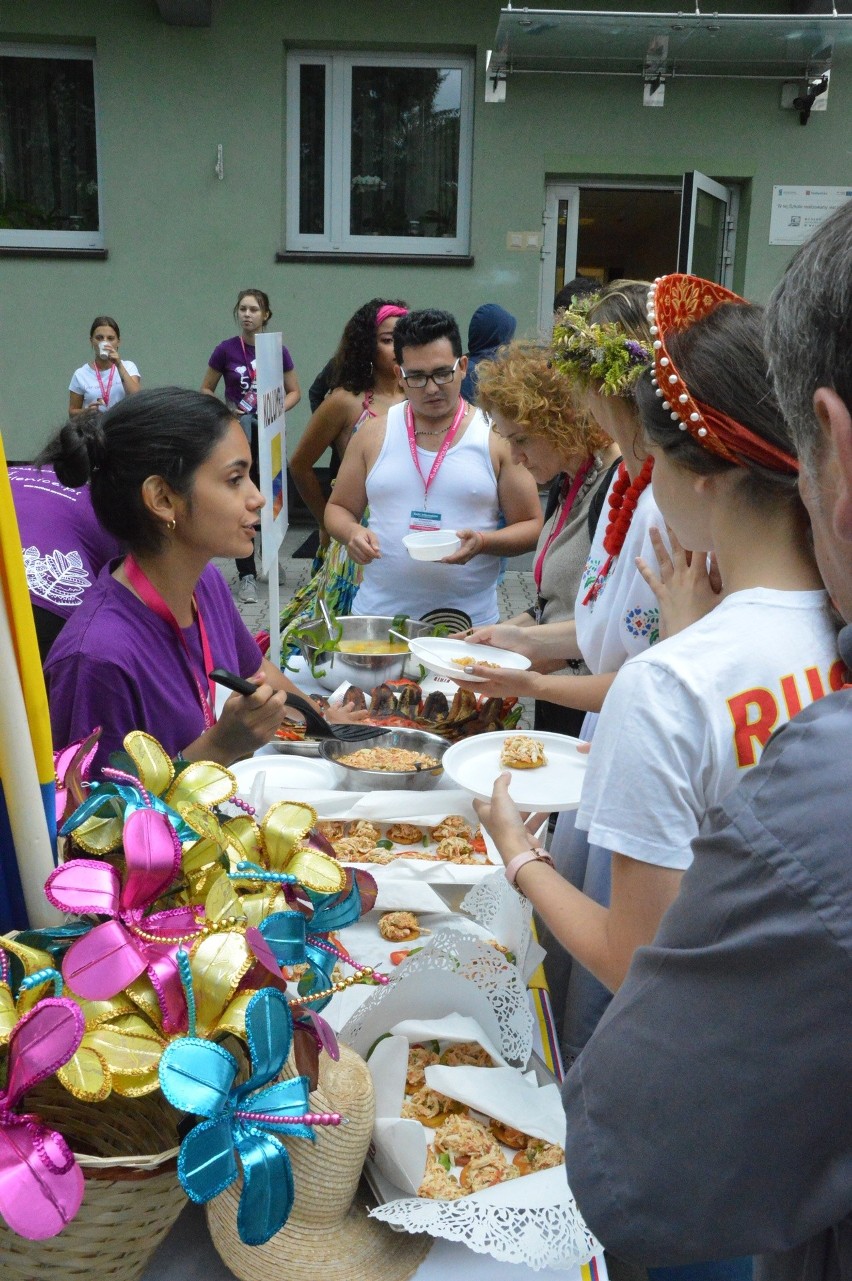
{"type": "Point", "coordinates": [247, 590]}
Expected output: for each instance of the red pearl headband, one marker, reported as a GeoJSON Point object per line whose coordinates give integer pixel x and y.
{"type": "Point", "coordinates": [675, 303]}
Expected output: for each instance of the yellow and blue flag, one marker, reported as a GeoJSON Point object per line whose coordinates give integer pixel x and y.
{"type": "Point", "coordinates": [27, 788]}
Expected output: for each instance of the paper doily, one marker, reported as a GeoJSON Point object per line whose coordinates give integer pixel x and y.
{"type": "Point", "coordinates": [547, 1236]}
{"type": "Point", "coordinates": [466, 957]}
{"type": "Point", "coordinates": [496, 906]}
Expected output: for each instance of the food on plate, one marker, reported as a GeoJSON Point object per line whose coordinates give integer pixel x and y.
{"type": "Point", "coordinates": [356, 697]}
{"type": "Point", "coordinates": [487, 1170]}
{"type": "Point", "coordinates": [291, 731]}
{"type": "Point", "coordinates": [435, 706]}
{"type": "Point", "coordinates": [400, 704]}
{"type": "Point", "coordinates": [538, 1155]}
{"type": "Point", "coordinates": [452, 825]}
{"type": "Point", "coordinates": [463, 1137]}
{"type": "Point", "coordinates": [419, 1058]}
{"type": "Point", "coordinates": [520, 751]}
{"type": "Point", "coordinates": [438, 1184]}
{"type": "Point", "coordinates": [469, 662]}
{"type": "Point", "coordinates": [363, 829]}
{"type": "Point", "coordinates": [429, 1107]}
{"type": "Point", "coordinates": [466, 1054]}
{"type": "Point", "coordinates": [377, 855]}
{"type": "Point", "coordinates": [405, 833]}
{"type": "Point", "coordinates": [352, 847]}
{"type": "Point", "coordinates": [455, 849]}
{"type": "Point", "coordinates": [331, 829]}
{"type": "Point", "coordinates": [390, 758]}
{"type": "Point", "coordinates": [382, 700]}
{"type": "Point", "coordinates": [399, 927]}
{"type": "Point", "coordinates": [509, 1135]}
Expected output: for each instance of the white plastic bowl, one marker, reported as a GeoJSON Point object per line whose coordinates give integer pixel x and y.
{"type": "Point", "coordinates": [431, 544]}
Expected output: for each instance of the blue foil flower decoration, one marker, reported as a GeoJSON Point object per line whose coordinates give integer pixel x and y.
{"type": "Point", "coordinates": [244, 1122]}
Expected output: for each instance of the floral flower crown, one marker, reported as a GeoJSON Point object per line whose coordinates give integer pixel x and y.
{"type": "Point", "coordinates": [597, 353]}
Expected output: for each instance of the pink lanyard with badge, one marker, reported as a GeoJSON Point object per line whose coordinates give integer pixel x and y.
{"type": "Point", "coordinates": [105, 391]}
{"type": "Point", "coordinates": [445, 444]}
{"type": "Point", "coordinates": [149, 596]}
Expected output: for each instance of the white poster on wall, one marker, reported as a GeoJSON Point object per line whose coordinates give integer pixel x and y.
{"type": "Point", "coordinates": [798, 211]}
{"type": "Point", "coordinates": [272, 448]}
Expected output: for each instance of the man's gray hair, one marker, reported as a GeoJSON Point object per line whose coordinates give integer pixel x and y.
{"type": "Point", "coordinates": [809, 328]}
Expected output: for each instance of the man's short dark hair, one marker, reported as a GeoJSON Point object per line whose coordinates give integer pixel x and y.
{"type": "Point", "coordinates": [421, 327]}
{"type": "Point", "coordinates": [809, 328]}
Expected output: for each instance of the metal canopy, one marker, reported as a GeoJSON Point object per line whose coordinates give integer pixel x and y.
{"type": "Point", "coordinates": [753, 46]}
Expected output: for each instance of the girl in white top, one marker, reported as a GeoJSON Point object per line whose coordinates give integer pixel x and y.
{"type": "Point", "coordinates": [107, 379]}
{"type": "Point", "coordinates": [686, 719]}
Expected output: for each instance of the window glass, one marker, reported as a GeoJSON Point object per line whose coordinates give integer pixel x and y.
{"type": "Point", "coordinates": [405, 151]}
{"type": "Point", "coordinates": [48, 153]}
{"type": "Point", "coordinates": [312, 149]}
{"type": "Point", "coordinates": [379, 151]}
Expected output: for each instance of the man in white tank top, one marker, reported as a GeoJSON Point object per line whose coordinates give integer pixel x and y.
{"type": "Point", "coordinates": [431, 463]}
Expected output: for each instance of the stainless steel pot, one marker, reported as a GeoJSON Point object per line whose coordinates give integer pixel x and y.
{"type": "Point", "coordinates": [380, 780]}
{"type": "Point", "coordinates": [364, 670]}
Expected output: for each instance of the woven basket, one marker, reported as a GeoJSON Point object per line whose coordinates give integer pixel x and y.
{"type": "Point", "coordinates": [328, 1232]}
{"type": "Point", "coordinates": [132, 1194]}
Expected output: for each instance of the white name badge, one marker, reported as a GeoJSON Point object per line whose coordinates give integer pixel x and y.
{"type": "Point", "coordinates": [424, 520]}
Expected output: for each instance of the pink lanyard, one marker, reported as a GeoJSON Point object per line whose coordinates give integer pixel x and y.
{"type": "Point", "coordinates": [105, 391]}
{"type": "Point", "coordinates": [143, 586]}
{"type": "Point", "coordinates": [445, 444]}
{"type": "Point", "coordinates": [567, 504]}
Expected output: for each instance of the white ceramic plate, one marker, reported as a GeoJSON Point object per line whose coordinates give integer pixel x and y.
{"type": "Point", "coordinates": [284, 774]}
{"type": "Point", "coordinates": [474, 764]}
{"type": "Point", "coordinates": [437, 653]}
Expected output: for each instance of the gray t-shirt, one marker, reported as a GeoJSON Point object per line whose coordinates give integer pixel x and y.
{"type": "Point", "coordinates": [710, 1115]}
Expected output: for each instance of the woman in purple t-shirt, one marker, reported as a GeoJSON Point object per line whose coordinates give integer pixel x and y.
{"type": "Point", "coordinates": [169, 477]}
{"type": "Point", "coordinates": [234, 361]}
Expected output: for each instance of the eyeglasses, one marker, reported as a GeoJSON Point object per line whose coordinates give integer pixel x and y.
{"type": "Point", "coordinates": [439, 376]}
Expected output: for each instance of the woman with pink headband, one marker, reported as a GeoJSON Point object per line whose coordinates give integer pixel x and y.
{"type": "Point", "coordinates": [364, 386]}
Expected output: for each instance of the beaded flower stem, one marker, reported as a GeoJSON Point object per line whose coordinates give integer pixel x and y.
{"type": "Point", "coordinates": [309, 1118]}
{"type": "Point", "coordinates": [345, 958]}
{"type": "Point", "coordinates": [247, 871]}
{"type": "Point", "coordinates": [46, 975]}
{"type": "Point", "coordinates": [188, 991]}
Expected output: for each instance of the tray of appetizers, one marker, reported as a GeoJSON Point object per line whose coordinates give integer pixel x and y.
{"type": "Point", "coordinates": [547, 770]}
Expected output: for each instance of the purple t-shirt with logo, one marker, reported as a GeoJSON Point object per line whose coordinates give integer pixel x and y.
{"type": "Point", "coordinates": [229, 359]}
{"type": "Point", "coordinates": [65, 545]}
{"type": "Point", "coordinates": [118, 665]}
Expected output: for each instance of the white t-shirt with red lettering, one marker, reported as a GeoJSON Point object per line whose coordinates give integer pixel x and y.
{"type": "Point", "coordinates": [684, 720]}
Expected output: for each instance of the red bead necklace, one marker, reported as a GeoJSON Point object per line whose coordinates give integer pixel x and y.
{"type": "Point", "coordinates": [622, 504]}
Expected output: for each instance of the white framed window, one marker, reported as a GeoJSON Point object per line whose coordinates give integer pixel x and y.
{"type": "Point", "coordinates": [379, 151]}
{"type": "Point", "coordinates": [49, 171]}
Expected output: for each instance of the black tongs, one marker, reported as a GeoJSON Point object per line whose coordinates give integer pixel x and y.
{"type": "Point", "coordinates": [318, 725]}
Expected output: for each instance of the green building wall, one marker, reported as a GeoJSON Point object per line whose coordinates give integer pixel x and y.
{"type": "Point", "coordinates": [181, 243]}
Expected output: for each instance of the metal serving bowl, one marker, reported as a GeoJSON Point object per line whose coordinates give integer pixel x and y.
{"type": "Point", "coordinates": [380, 780]}
{"type": "Point", "coordinates": [364, 670]}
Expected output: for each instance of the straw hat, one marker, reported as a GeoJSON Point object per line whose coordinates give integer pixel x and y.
{"type": "Point", "coordinates": [327, 1232]}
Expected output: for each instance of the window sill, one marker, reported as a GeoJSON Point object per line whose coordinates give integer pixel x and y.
{"type": "Point", "coordinates": [402, 260]}
{"type": "Point", "coordinates": [53, 251]}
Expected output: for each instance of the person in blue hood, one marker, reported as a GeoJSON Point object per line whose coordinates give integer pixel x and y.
{"type": "Point", "coordinates": [490, 328]}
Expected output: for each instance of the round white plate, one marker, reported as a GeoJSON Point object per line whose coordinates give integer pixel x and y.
{"type": "Point", "coordinates": [437, 653]}
{"type": "Point", "coordinates": [474, 764]}
{"type": "Point", "coordinates": [284, 774]}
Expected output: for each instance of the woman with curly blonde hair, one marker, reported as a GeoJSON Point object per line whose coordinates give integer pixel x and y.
{"type": "Point", "coordinates": [533, 406]}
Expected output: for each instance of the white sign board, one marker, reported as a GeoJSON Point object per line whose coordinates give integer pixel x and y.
{"type": "Point", "coordinates": [798, 211]}
{"type": "Point", "coordinates": [272, 448]}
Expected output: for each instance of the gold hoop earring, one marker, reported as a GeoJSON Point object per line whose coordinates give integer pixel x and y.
{"type": "Point", "coordinates": [171, 526]}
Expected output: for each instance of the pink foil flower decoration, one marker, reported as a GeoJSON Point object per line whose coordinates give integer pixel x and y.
{"type": "Point", "coordinates": [71, 766]}
{"type": "Point", "coordinates": [114, 954]}
{"type": "Point", "coordinates": [41, 1184]}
